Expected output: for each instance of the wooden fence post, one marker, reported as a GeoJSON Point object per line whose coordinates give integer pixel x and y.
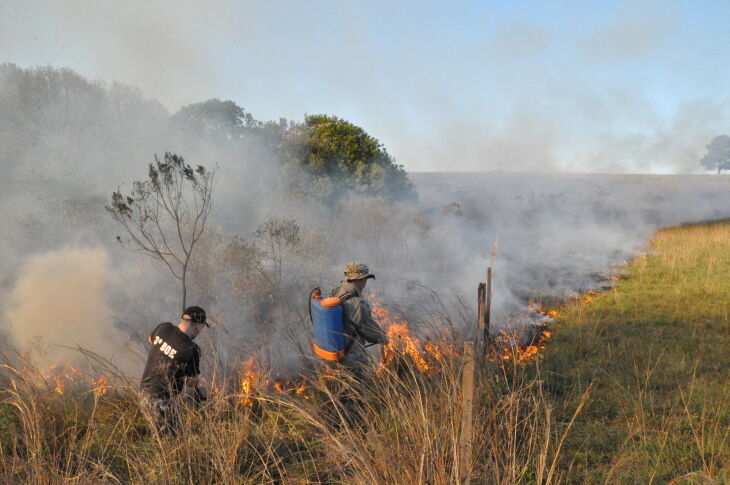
{"type": "Point", "coordinates": [481, 294]}
{"type": "Point", "coordinates": [467, 431]}
{"type": "Point", "coordinates": [488, 305]}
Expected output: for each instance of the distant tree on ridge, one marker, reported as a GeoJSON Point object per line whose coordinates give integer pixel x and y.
{"type": "Point", "coordinates": [718, 154]}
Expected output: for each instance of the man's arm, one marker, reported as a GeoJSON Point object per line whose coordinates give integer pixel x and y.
{"type": "Point", "coordinates": [193, 379]}
{"type": "Point", "coordinates": [359, 315]}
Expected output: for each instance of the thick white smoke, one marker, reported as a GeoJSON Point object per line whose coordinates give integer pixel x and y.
{"type": "Point", "coordinates": [64, 155]}
{"type": "Point", "coordinates": [60, 304]}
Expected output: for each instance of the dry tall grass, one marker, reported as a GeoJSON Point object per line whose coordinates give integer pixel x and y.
{"type": "Point", "coordinates": [401, 427]}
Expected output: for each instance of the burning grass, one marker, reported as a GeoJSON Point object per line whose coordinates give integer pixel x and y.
{"type": "Point", "coordinates": [425, 354]}
{"type": "Point", "coordinates": [519, 346]}
{"type": "Point", "coordinates": [403, 427]}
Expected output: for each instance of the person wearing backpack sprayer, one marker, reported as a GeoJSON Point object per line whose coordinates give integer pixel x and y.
{"type": "Point", "coordinates": [360, 328]}
{"type": "Point", "coordinates": [343, 325]}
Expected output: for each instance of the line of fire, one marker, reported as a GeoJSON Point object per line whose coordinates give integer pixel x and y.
{"type": "Point", "coordinates": [405, 349]}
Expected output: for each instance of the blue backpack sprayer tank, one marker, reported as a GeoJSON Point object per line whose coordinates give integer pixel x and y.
{"type": "Point", "coordinates": [327, 317]}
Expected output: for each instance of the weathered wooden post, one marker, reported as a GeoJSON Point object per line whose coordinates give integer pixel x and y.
{"type": "Point", "coordinates": [481, 294]}
{"type": "Point", "coordinates": [467, 426]}
{"type": "Point", "coordinates": [488, 305]}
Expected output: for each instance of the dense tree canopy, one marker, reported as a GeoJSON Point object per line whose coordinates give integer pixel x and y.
{"type": "Point", "coordinates": [718, 154]}
{"type": "Point", "coordinates": [330, 148]}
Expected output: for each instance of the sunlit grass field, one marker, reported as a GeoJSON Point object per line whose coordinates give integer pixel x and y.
{"type": "Point", "coordinates": [655, 352]}
{"type": "Point", "coordinates": [632, 388]}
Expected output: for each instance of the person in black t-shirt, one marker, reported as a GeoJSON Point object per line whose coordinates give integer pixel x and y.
{"type": "Point", "coordinates": [172, 363]}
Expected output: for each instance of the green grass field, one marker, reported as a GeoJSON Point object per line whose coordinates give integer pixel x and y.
{"type": "Point", "coordinates": [632, 389]}
{"type": "Point", "coordinates": [655, 352]}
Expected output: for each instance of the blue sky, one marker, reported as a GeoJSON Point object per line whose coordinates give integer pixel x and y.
{"type": "Point", "coordinates": [631, 86]}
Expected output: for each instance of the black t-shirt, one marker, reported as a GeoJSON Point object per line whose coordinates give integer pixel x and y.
{"type": "Point", "coordinates": [173, 356]}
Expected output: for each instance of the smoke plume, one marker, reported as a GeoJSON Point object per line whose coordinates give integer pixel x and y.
{"type": "Point", "coordinates": [60, 303]}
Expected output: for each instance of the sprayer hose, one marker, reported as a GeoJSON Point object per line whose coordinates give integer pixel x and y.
{"type": "Point", "coordinates": [309, 305]}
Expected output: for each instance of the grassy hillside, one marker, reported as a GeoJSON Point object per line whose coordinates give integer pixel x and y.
{"type": "Point", "coordinates": [655, 352]}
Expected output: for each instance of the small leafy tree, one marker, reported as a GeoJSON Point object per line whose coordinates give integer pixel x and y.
{"type": "Point", "coordinates": [334, 150]}
{"type": "Point", "coordinates": [718, 154]}
{"type": "Point", "coordinates": [166, 215]}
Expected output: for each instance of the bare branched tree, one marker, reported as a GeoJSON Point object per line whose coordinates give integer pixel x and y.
{"type": "Point", "coordinates": [165, 216]}
{"type": "Point", "coordinates": [279, 238]}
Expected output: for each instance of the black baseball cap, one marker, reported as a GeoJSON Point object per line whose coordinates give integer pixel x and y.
{"type": "Point", "coordinates": [196, 315]}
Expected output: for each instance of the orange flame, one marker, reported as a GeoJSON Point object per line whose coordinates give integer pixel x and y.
{"type": "Point", "coordinates": [100, 386]}
{"type": "Point", "coordinates": [293, 387]}
{"type": "Point", "coordinates": [61, 375]}
{"type": "Point", "coordinates": [509, 347]}
{"type": "Point", "coordinates": [587, 297]}
{"type": "Point", "coordinates": [423, 354]}
{"type": "Point", "coordinates": [400, 341]}
{"type": "Point", "coordinates": [60, 385]}
{"type": "Point", "coordinates": [299, 390]}
{"type": "Point", "coordinates": [248, 381]}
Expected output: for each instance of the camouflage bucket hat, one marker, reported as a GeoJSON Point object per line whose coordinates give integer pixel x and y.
{"type": "Point", "coordinates": [357, 271]}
